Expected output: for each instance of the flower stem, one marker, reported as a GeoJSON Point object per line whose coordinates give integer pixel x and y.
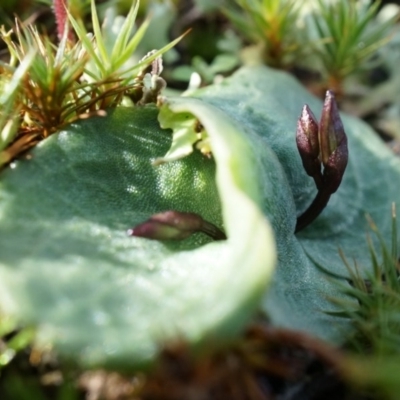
{"type": "Point", "coordinates": [315, 208]}
{"type": "Point", "coordinates": [213, 231]}
{"type": "Point", "coordinates": [61, 16]}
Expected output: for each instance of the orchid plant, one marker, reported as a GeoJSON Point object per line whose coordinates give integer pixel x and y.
{"type": "Point", "coordinates": [132, 218]}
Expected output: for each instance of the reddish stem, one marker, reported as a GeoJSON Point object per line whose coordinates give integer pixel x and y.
{"type": "Point", "coordinates": [60, 13]}
{"type": "Point", "coordinates": [315, 208]}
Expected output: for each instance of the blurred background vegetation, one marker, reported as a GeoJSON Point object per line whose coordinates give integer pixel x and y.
{"type": "Point", "coordinates": [351, 47]}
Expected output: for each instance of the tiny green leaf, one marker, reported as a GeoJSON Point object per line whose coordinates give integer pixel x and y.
{"type": "Point", "coordinates": [184, 137]}
{"type": "Point", "coordinates": [122, 39]}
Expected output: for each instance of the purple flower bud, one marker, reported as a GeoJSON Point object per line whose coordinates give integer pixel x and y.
{"type": "Point", "coordinates": [333, 143]}
{"type": "Point", "coordinates": [331, 131]}
{"type": "Point", "coordinates": [158, 231]}
{"type": "Point", "coordinates": [308, 143]}
{"type": "Point", "coordinates": [175, 225]}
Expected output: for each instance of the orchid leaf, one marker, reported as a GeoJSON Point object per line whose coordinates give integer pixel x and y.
{"type": "Point", "coordinates": [102, 298]}
{"type": "Point", "coordinates": [266, 104]}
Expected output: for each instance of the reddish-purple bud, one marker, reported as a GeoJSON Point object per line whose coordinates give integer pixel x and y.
{"type": "Point", "coordinates": [333, 144]}
{"type": "Point", "coordinates": [175, 225]}
{"type": "Point", "coordinates": [308, 143]}
{"type": "Point", "coordinates": [158, 231]}
{"type": "Point", "coordinates": [331, 130]}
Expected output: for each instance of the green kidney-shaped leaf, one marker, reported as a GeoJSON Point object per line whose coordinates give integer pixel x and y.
{"type": "Point", "coordinates": [103, 298]}
{"type": "Point", "coordinates": [266, 103]}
